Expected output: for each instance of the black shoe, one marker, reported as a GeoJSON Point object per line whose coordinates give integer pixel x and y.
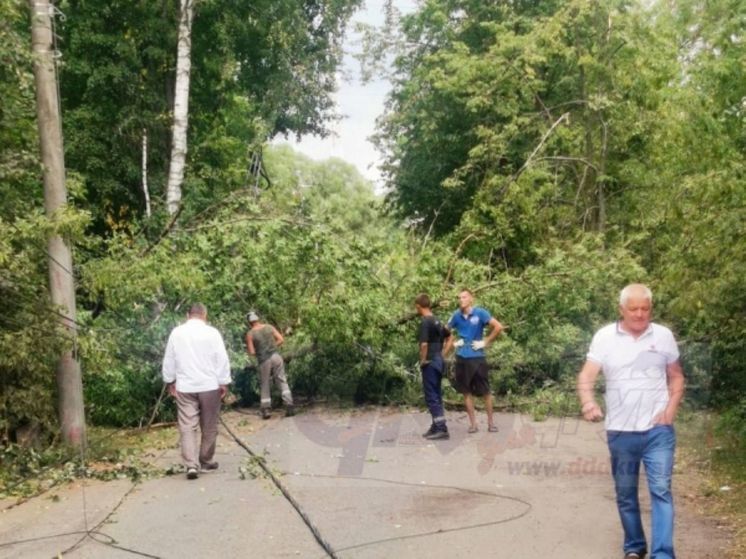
{"type": "Point", "coordinates": [440, 435]}
{"type": "Point", "coordinates": [266, 413]}
{"type": "Point", "coordinates": [635, 555]}
{"type": "Point", "coordinates": [192, 473]}
{"type": "Point", "coordinates": [290, 411]}
{"type": "Point", "coordinates": [207, 466]}
{"type": "Point", "coordinates": [430, 431]}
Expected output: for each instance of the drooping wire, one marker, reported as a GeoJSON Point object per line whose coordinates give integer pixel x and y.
{"type": "Point", "coordinates": [326, 546]}
{"type": "Point", "coordinates": [331, 552]}
{"type": "Point", "coordinates": [528, 507]}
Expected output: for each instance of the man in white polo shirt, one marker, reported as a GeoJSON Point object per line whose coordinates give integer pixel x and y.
{"type": "Point", "coordinates": [644, 387]}
{"type": "Point", "coordinates": [197, 371]}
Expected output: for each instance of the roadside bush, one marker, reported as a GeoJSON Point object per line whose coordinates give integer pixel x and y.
{"type": "Point", "coordinates": [30, 336]}
{"type": "Point", "coordinates": [732, 427]}
{"type": "Point", "coordinates": [123, 397]}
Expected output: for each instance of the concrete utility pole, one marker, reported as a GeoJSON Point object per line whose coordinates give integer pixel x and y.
{"type": "Point", "coordinates": [61, 280]}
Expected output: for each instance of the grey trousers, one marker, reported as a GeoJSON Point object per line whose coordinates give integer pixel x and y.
{"type": "Point", "coordinates": [198, 409]}
{"type": "Point", "coordinates": [274, 367]}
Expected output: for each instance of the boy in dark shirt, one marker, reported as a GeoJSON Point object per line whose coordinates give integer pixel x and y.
{"type": "Point", "coordinates": [432, 334]}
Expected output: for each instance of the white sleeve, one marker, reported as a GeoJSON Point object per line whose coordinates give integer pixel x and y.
{"type": "Point", "coordinates": [596, 352]}
{"type": "Point", "coordinates": [222, 361]}
{"type": "Point", "coordinates": [168, 370]}
{"type": "Point", "coordinates": [672, 348]}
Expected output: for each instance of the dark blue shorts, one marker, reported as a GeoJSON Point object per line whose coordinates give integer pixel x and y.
{"type": "Point", "coordinates": [472, 376]}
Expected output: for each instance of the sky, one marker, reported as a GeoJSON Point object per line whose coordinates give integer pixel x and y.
{"type": "Point", "coordinates": [358, 104]}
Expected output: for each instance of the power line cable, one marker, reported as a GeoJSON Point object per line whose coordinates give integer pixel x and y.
{"type": "Point", "coordinates": [526, 511]}
{"type": "Point", "coordinates": [92, 533]}
{"type": "Point", "coordinates": [330, 552]}
{"type": "Point", "coordinates": [304, 516]}
{"type": "Point", "coordinates": [49, 255]}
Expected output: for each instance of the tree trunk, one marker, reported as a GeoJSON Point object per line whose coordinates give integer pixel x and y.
{"type": "Point", "coordinates": [61, 279]}
{"type": "Point", "coordinates": [181, 109]}
{"type": "Point", "coordinates": [589, 183]}
{"type": "Point", "coordinates": [145, 190]}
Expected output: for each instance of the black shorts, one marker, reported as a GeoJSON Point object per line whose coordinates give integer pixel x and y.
{"type": "Point", "coordinates": [472, 376]}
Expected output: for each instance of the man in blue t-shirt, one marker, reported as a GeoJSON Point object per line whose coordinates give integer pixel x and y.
{"type": "Point", "coordinates": [471, 367]}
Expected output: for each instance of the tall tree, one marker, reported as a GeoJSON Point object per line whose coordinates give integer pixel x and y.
{"type": "Point", "coordinates": [181, 108]}
{"type": "Point", "coordinates": [693, 208]}
{"type": "Point", "coordinates": [259, 69]}
{"type": "Point", "coordinates": [521, 117]}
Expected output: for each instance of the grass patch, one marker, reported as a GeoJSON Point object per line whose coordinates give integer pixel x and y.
{"type": "Point", "coordinates": [110, 454]}
{"type": "Point", "coordinates": [711, 444]}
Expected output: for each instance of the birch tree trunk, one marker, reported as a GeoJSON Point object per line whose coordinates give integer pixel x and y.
{"type": "Point", "coordinates": [181, 109]}
{"type": "Point", "coordinates": [145, 189]}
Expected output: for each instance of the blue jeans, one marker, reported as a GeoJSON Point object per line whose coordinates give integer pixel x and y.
{"type": "Point", "coordinates": [655, 449]}
{"type": "Point", "coordinates": [432, 375]}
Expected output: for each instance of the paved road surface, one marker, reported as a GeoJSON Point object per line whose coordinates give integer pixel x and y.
{"type": "Point", "coordinates": [370, 484]}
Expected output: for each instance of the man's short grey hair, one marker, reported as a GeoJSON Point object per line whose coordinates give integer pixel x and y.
{"type": "Point", "coordinates": [198, 309]}
{"type": "Point", "coordinates": [625, 294]}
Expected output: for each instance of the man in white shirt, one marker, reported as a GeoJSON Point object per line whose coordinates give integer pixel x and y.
{"type": "Point", "coordinates": [197, 371]}
{"type": "Point", "coordinates": [644, 387]}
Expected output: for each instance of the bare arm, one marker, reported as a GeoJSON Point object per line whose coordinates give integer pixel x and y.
{"type": "Point", "coordinates": [675, 380]}
{"type": "Point", "coordinates": [496, 328]}
{"type": "Point", "coordinates": [423, 353]}
{"type": "Point", "coordinates": [448, 346]}
{"type": "Point", "coordinates": [279, 340]}
{"type": "Point", "coordinates": [585, 385]}
{"type": "Point", "coordinates": [250, 345]}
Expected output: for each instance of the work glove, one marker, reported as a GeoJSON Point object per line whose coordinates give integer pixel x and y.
{"type": "Point", "coordinates": [477, 345]}
{"type": "Point", "coordinates": [458, 343]}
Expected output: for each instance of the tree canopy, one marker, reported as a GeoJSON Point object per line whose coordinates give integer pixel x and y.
{"type": "Point", "coordinates": [517, 129]}
{"type": "Point", "coordinates": [543, 153]}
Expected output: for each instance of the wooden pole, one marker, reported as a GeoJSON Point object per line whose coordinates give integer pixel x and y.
{"type": "Point", "coordinates": [61, 280]}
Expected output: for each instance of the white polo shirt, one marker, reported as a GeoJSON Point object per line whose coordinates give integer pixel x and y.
{"type": "Point", "coordinates": [196, 358]}
{"type": "Point", "coordinates": [635, 373]}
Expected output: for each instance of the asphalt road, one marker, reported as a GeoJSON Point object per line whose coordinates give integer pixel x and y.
{"type": "Point", "coordinates": [369, 484]}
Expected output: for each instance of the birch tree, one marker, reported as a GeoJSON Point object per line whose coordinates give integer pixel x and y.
{"type": "Point", "coordinates": [181, 108]}
{"type": "Point", "coordinates": [251, 78]}
{"type": "Point", "coordinates": [145, 189]}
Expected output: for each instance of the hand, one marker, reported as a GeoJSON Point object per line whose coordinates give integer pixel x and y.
{"type": "Point", "coordinates": [664, 418]}
{"type": "Point", "coordinates": [479, 344]}
{"type": "Point", "coordinates": [592, 412]}
{"type": "Point", "coordinates": [223, 390]}
{"type": "Point", "coordinates": [172, 389]}
{"type": "Point", "coordinates": [458, 343]}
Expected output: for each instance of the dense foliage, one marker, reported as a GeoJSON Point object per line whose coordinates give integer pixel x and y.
{"type": "Point", "coordinates": [259, 69]}
{"type": "Point", "coordinates": [542, 153]}
{"type": "Point", "coordinates": [29, 339]}
{"type": "Point", "coordinates": [517, 129]}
